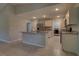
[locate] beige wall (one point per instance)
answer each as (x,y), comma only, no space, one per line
(16,29)
(6,13)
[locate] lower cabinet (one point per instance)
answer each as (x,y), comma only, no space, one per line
(69,42)
(36,39)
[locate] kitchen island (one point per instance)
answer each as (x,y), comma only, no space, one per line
(34,38)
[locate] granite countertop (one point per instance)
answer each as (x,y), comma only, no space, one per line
(73,32)
(33,32)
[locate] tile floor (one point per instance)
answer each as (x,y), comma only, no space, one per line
(52,48)
(20,49)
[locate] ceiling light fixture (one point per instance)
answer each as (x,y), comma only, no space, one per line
(58,16)
(44,16)
(56,9)
(34,17)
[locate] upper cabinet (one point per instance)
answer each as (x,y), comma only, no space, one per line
(74,15)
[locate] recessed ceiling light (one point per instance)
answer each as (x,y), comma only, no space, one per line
(56,9)
(34,17)
(44,16)
(58,16)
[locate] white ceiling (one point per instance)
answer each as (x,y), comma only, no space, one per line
(27,7)
(2,6)
(32,4)
(39,9)
(49,11)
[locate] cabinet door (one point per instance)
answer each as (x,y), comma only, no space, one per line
(37,39)
(74,15)
(69,42)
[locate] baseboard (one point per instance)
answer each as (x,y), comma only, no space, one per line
(8,41)
(5,41)
(33,44)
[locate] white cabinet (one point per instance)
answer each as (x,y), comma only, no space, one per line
(69,42)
